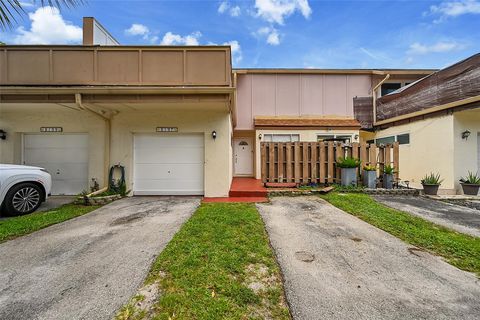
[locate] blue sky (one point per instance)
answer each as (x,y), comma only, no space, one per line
(279,33)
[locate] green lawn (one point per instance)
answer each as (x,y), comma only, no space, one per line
(18,226)
(218,266)
(460,250)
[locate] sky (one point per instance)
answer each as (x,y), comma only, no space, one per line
(277,33)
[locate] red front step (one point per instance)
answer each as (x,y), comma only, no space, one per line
(247,187)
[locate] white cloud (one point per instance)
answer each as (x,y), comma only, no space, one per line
(26,4)
(275,11)
(235,11)
(236,50)
(270,34)
(456,8)
(175,39)
(48,27)
(225,7)
(137,29)
(442,46)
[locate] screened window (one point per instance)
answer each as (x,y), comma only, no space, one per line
(324,137)
(385,140)
(403,138)
(339,137)
(390,87)
(281,137)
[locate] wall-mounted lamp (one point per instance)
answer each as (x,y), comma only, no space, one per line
(260,136)
(3,134)
(214,134)
(465,134)
(355,137)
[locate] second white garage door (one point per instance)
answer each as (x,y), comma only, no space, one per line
(168,164)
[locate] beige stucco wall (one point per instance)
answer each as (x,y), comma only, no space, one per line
(201,119)
(431,149)
(29,119)
(217,155)
(466,151)
(305,135)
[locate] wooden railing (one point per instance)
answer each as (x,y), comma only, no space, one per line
(315,162)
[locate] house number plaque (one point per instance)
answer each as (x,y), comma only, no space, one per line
(51,129)
(167,129)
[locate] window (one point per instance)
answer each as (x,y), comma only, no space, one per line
(390,87)
(335,137)
(281,137)
(385,140)
(403,138)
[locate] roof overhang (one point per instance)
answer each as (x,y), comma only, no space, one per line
(305,123)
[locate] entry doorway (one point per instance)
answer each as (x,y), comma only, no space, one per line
(243,157)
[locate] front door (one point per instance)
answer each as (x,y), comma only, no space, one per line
(243,156)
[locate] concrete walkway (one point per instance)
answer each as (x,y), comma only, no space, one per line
(338,267)
(88,267)
(458,218)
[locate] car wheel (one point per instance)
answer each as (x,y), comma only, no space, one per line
(23,198)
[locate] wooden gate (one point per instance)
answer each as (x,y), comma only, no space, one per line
(315,162)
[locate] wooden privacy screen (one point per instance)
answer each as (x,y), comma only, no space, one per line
(315,162)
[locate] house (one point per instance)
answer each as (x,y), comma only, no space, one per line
(436,120)
(178,118)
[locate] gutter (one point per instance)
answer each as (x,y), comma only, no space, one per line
(108,134)
(114,90)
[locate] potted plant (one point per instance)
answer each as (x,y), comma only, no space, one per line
(349,167)
(431,182)
(370,176)
(388,172)
(470,184)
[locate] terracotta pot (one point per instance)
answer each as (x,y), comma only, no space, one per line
(470,189)
(431,189)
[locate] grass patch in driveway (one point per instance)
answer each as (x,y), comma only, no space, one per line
(218,266)
(460,250)
(21,225)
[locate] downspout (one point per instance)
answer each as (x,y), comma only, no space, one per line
(374,94)
(108,134)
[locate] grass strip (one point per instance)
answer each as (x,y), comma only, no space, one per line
(21,225)
(460,250)
(218,266)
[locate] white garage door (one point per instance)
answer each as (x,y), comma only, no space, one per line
(168,164)
(65,156)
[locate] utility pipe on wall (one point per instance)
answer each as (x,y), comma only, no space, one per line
(108,134)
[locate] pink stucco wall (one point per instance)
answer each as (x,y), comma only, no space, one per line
(297,95)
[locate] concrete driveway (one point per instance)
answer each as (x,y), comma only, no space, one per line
(458,218)
(88,267)
(336,266)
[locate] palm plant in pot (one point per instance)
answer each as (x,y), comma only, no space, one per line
(388,172)
(349,167)
(431,182)
(470,184)
(370,176)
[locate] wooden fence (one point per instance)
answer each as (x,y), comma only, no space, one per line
(315,162)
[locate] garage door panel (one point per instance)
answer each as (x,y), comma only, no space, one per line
(173,155)
(167,171)
(169,164)
(65,156)
(168,187)
(64,141)
(69,155)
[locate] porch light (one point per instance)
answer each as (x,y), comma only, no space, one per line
(260,136)
(465,134)
(214,134)
(3,134)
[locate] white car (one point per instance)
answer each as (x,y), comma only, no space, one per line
(23,188)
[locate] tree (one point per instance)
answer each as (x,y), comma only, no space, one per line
(11,9)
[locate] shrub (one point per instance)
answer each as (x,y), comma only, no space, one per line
(348,162)
(471,178)
(388,169)
(432,178)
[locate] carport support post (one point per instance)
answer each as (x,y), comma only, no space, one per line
(108,135)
